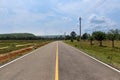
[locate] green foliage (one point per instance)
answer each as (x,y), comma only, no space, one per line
(73,36)
(17,36)
(85,36)
(99,35)
(113,34)
(78,38)
(91,38)
(67,37)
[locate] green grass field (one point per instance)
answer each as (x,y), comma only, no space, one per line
(105,53)
(11,45)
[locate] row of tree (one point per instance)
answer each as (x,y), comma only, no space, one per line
(29,36)
(112,35)
(18,36)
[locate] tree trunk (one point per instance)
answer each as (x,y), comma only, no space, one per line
(90,42)
(113,43)
(100,43)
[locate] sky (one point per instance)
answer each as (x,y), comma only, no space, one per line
(56,17)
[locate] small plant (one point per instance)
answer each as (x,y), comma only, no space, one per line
(110,57)
(12,46)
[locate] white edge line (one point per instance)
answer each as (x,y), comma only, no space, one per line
(96,59)
(17,59)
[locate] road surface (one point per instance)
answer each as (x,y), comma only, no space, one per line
(57,60)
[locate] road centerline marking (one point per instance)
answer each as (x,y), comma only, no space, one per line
(57,65)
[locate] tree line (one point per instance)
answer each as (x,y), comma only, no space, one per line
(113,34)
(18,36)
(29,36)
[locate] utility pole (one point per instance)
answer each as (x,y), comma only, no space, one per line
(80,26)
(64,35)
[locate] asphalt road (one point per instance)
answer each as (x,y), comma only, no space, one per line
(72,65)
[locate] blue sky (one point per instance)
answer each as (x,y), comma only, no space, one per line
(53,17)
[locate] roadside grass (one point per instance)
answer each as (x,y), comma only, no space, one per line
(12,45)
(105,53)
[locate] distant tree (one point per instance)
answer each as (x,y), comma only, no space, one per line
(91,38)
(99,36)
(113,35)
(17,36)
(78,38)
(60,37)
(119,36)
(67,37)
(85,36)
(73,36)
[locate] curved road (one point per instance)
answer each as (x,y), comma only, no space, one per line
(71,65)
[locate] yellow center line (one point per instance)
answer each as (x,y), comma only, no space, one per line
(56,67)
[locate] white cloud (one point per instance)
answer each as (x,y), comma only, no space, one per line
(100,23)
(75,8)
(108,7)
